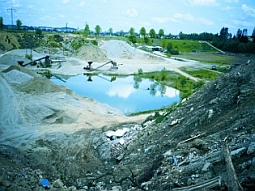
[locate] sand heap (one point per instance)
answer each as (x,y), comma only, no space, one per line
(118,49)
(90,52)
(12,57)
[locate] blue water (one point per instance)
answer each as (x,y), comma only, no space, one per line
(123,93)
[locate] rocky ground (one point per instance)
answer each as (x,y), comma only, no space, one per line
(48,133)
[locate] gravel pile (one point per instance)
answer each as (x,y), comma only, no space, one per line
(17,77)
(90,52)
(12,57)
(117,49)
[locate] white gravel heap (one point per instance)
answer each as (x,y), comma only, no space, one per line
(17,77)
(118,48)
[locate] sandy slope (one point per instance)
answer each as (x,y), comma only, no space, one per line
(38,106)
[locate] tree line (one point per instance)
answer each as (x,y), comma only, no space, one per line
(18,24)
(237,43)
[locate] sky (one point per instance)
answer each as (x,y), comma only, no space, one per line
(173,16)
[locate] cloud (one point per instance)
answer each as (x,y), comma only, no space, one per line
(205,21)
(123,91)
(185,17)
(82,4)
(203,2)
(15,3)
(248,10)
(227,8)
(170,92)
(243,23)
(190,18)
(65,1)
(132,13)
(160,20)
(232,1)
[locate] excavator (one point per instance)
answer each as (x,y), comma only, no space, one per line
(46,64)
(90,68)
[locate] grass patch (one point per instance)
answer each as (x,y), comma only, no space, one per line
(171,79)
(216,58)
(205,74)
(186,45)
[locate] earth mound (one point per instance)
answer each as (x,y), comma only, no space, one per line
(90,52)
(118,49)
(12,57)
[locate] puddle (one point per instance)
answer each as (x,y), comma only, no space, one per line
(127,94)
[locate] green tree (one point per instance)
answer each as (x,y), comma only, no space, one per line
(110,31)
(131,31)
(143,32)
(182,35)
(224,33)
(121,33)
(170,36)
(1,23)
(147,40)
(98,29)
(253,33)
(161,33)
(39,34)
(169,47)
(132,36)
(18,23)
(152,33)
(86,30)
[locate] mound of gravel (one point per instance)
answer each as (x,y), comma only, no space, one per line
(23,52)
(118,48)
(8,59)
(12,57)
(90,52)
(17,77)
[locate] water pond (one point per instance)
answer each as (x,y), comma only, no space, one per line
(127,94)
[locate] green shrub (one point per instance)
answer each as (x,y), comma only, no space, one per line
(29,56)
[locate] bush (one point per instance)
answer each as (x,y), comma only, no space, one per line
(29,56)
(132,39)
(140,71)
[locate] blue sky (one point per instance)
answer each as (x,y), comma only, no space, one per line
(173,16)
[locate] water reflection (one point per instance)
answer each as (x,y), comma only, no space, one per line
(128,94)
(123,91)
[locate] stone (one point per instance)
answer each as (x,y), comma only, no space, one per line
(122,141)
(253,161)
(174,122)
(58,184)
(118,133)
(210,113)
(121,132)
(251,148)
(206,166)
(214,101)
(238,151)
(72,188)
(119,158)
(168,153)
